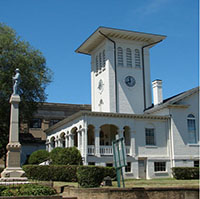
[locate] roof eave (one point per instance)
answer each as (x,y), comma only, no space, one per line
(95,36)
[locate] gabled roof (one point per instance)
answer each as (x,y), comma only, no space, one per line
(173,101)
(96,38)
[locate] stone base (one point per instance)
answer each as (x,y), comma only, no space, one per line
(13,174)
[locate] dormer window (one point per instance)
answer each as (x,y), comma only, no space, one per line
(128,57)
(137,58)
(120,56)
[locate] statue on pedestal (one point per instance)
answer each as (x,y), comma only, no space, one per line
(13,171)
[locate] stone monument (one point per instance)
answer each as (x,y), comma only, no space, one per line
(13,171)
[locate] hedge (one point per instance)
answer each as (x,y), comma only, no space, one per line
(65,173)
(183,173)
(69,173)
(92,176)
(26,190)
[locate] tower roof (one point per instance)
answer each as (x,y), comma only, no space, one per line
(96,38)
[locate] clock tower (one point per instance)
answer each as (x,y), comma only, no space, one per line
(120,69)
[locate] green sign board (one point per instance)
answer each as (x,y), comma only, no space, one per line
(119,155)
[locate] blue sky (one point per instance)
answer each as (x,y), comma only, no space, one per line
(58,27)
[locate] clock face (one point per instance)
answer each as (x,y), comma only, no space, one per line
(100,85)
(130,81)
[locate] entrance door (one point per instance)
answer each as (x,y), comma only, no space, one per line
(142,168)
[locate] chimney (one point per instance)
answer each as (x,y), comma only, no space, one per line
(157,92)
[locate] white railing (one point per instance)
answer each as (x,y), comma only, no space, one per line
(105,150)
(91,149)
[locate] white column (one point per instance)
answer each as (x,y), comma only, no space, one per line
(59,142)
(79,140)
(83,143)
(56,143)
(49,147)
(66,141)
(71,141)
(97,142)
(120,132)
(86,142)
(132,145)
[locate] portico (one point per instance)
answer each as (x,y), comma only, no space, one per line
(93,132)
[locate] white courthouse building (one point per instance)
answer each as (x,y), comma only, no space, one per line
(158,136)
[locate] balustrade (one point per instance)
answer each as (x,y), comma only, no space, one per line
(105,150)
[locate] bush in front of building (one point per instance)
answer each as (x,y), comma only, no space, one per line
(66,156)
(66,173)
(110,171)
(92,176)
(26,190)
(54,155)
(183,173)
(38,157)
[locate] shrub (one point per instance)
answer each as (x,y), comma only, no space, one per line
(183,173)
(66,156)
(26,190)
(68,173)
(38,157)
(90,176)
(55,155)
(110,171)
(65,173)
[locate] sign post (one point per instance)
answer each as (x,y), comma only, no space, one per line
(119,154)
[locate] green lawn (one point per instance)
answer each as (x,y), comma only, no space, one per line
(161,182)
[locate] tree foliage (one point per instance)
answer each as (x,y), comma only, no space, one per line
(38,156)
(35,76)
(66,156)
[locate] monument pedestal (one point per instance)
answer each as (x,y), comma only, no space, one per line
(13,172)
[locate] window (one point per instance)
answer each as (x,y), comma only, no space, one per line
(150,136)
(128,167)
(36,123)
(128,57)
(97,64)
(120,56)
(159,166)
(109,164)
(91,163)
(104,59)
(191,129)
(196,163)
(137,58)
(53,121)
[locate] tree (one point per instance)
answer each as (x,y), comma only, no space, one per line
(66,156)
(38,156)
(35,76)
